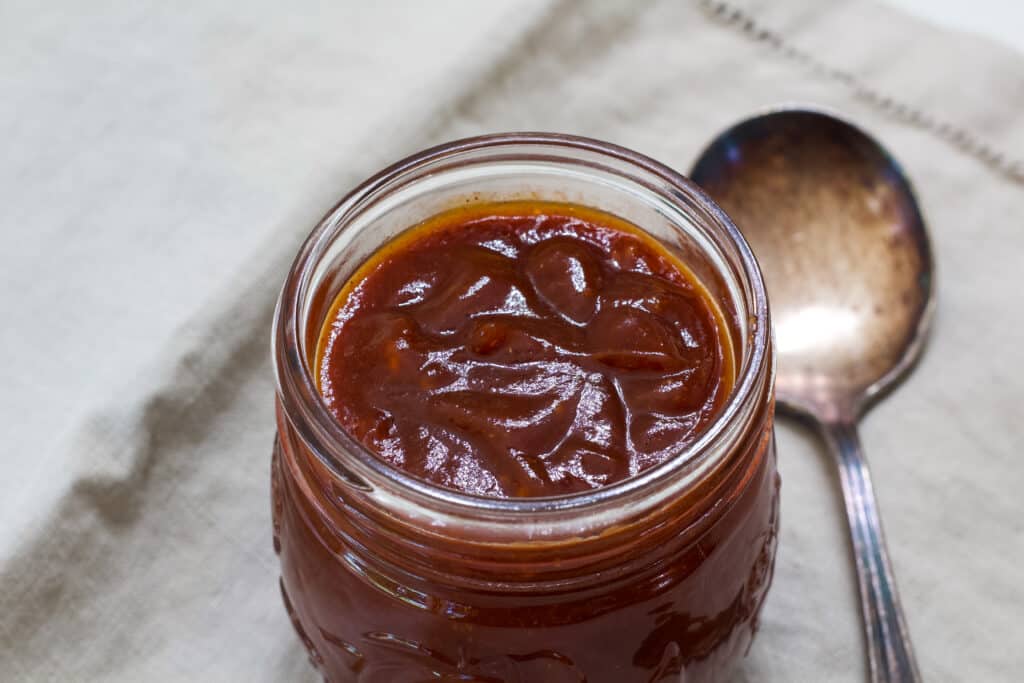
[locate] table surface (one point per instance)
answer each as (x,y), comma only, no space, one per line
(1000,20)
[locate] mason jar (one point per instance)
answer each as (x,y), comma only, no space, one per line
(660,577)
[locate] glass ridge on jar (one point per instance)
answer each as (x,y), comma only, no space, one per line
(661,577)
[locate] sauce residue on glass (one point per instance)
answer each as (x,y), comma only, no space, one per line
(523,349)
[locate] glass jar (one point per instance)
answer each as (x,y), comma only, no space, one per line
(389,579)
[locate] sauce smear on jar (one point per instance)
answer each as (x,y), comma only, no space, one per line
(524,349)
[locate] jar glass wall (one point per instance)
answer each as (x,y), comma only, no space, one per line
(390,579)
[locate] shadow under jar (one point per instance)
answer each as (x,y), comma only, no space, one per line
(660,577)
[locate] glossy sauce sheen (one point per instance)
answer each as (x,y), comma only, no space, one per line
(524,349)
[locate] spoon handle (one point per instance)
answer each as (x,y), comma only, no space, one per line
(890,654)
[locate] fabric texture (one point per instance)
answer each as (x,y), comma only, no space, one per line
(163,162)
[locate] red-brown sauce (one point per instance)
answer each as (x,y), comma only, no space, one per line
(524,349)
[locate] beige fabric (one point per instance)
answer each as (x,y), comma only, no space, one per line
(162,163)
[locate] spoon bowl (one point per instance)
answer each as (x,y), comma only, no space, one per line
(842,244)
(848,266)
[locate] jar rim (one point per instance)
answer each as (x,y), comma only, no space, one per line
(324,434)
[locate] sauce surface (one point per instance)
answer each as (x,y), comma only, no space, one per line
(524,349)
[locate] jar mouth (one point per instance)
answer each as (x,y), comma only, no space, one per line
(357,466)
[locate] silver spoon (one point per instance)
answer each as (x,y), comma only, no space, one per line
(836,228)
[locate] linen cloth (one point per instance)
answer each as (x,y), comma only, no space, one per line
(162,162)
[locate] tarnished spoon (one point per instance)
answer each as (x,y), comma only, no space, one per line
(841,242)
